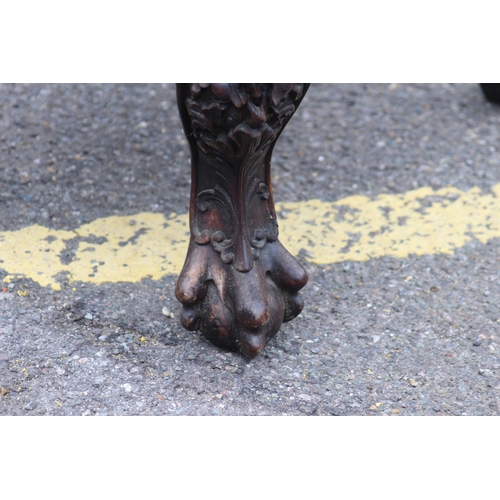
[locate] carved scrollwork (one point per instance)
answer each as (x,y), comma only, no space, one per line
(234,127)
(227,232)
(235,121)
(238,283)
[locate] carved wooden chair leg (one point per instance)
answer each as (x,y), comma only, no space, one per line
(238,283)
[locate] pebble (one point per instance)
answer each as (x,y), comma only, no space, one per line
(127,387)
(165,311)
(477,342)
(89,316)
(98,381)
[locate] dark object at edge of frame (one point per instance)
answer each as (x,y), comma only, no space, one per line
(491,91)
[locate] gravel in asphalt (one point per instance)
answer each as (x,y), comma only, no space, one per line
(418,335)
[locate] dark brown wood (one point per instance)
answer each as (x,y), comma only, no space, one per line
(238,283)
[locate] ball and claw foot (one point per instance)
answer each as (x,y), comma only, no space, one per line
(240,311)
(238,284)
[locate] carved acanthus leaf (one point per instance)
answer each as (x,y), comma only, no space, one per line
(234,127)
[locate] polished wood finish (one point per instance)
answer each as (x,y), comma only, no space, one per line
(238,283)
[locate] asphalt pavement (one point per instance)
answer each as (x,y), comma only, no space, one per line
(386,193)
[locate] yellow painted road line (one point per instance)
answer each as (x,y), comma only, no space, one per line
(130,248)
